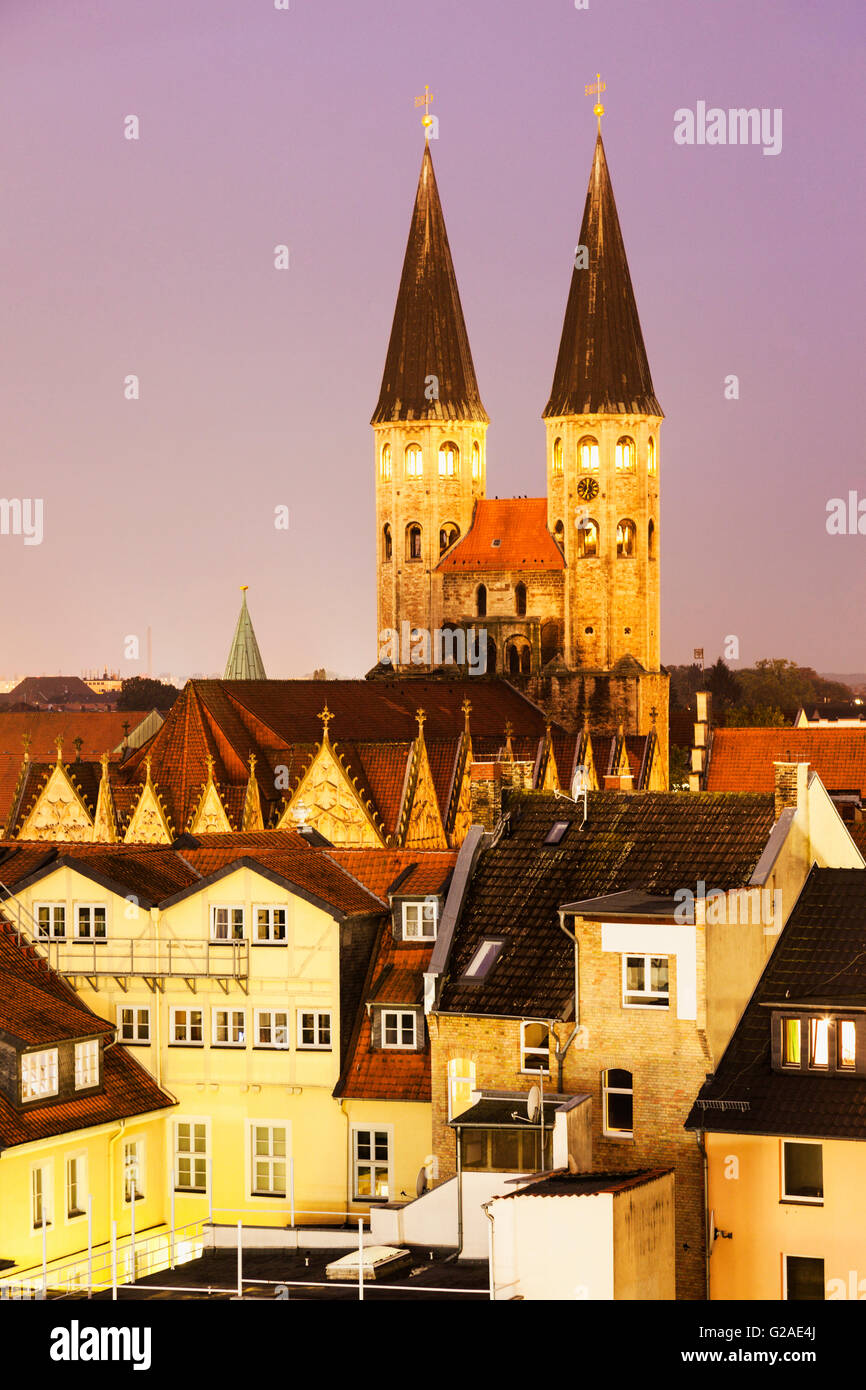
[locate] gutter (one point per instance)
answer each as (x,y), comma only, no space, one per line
(459,887)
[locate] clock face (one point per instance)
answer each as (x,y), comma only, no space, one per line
(587,489)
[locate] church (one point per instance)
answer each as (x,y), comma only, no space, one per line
(564,588)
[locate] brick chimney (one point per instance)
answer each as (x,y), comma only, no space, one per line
(703,723)
(791,781)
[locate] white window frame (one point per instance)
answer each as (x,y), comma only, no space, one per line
(606,1091)
(426,914)
(372,1163)
(400,1015)
(45,1167)
(89,937)
(534,1051)
(173,1040)
(215,1012)
(46,1064)
(478,967)
(79,1157)
(795,1197)
(140,1149)
(231,908)
(270,1158)
(318,1016)
(270,939)
(86,1058)
(647,957)
(53,908)
(416,453)
(177,1154)
(137,1040)
(587,442)
(790,1255)
(459,1078)
(847,1068)
(271,1015)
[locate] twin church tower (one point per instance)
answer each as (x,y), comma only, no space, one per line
(564,589)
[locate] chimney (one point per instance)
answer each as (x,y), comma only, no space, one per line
(618,782)
(701,739)
(791,781)
(485,792)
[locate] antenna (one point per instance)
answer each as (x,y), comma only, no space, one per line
(421,1181)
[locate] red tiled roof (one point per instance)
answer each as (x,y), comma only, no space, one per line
(519,524)
(377,869)
(34,1015)
(380,1073)
(400,985)
(742,759)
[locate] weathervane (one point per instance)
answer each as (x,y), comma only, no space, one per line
(595,89)
(426,120)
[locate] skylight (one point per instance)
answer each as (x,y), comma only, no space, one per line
(483,961)
(556,832)
(496,542)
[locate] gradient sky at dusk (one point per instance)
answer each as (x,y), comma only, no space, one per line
(260,126)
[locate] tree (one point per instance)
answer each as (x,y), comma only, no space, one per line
(725,689)
(140,692)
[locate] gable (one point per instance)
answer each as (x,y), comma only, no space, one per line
(59,812)
(334,806)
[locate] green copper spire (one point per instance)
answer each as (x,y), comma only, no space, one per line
(245,660)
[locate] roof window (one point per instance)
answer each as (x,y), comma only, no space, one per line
(483,960)
(556,833)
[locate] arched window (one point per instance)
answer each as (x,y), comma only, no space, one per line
(449,460)
(557,456)
(490,668)
(625,455)
(625,540)
(587,540)
(476,460)
(520,599)
(518,658)
(449,532)
(550,641)
(651,456)
(481,601)
(386,542)
(414,461)
(651,540)
(385,463)
(617,1090)
(587,452)
(413,542)
(559,535)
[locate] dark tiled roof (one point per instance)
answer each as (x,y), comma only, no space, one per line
(742,759)
(656,841)
(562,1183)
(820,958)
(519,525)
(602,365)
(428,334)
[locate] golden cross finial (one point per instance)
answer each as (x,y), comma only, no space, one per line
(104,761)
(59,745)
(467,710)
(421,715)
(509,730)
(326,716)
(426,119)
(593,89)
(252,762)
(210,767)
(147,768)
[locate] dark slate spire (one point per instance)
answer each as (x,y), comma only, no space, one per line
(602,366)
(428,336)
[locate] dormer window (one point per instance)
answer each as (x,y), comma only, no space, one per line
(419,921)
(846,1046)
(90,922)
(39,1071)
(86,1064)
(790,1042)
(819,1042)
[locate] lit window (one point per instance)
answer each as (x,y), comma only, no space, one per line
(483,960)
(268,1160)
(76,1185)
(414,461)
(651,456)
(476,460)
(557,456)
(398,1028)
(534,1047)
(625,455)
(819,1038)
(556,833)
(86,1064)
(190,1156)
(385,463)
(846,1044)
(133,1024)
(587,453)
(625,539)
(645,982)
(51,920)
(186,1027)
(270,924)
(90,921)
(804,1279)
(587,539)
(227,923)
(618,1103)
(449,460)
(419,920)
(372,1161)
(39,1074)
(229,1028)
(802,1172)
(314,1029)
(41,1178)
(133,1170)
(461,1084)
(272,1028)
(790,1042)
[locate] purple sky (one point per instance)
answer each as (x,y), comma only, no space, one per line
(260,127)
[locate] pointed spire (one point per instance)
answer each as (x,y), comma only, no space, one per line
(245,660)
(602,366)
(428,335)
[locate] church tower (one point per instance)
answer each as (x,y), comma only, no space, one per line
(602,423)
(429,426)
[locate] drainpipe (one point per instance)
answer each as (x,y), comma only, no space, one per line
(485,1207)
(458,1252)
(699,1140)
(348,1156)
(112,1141)
(561,1051)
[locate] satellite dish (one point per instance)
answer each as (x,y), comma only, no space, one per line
(572,1164)
(421,1181)
(580,780)
(533,1104)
